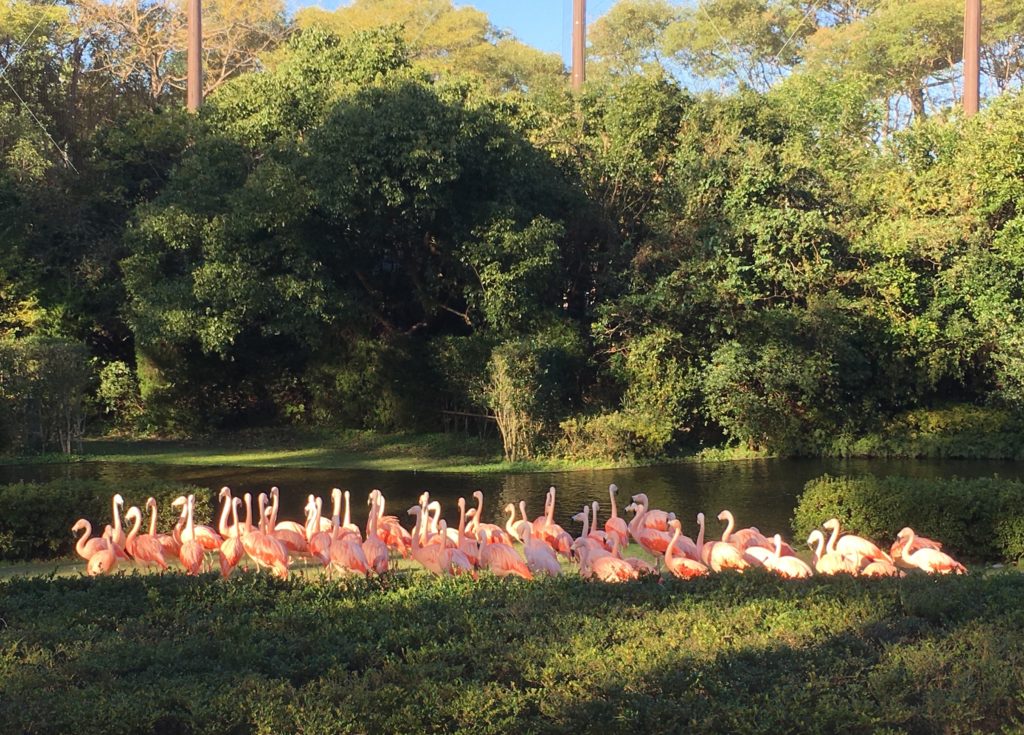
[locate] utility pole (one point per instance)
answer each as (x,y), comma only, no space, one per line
(579,39)
(972,52)
(195,55)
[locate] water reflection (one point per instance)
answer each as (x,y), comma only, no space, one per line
(759,492)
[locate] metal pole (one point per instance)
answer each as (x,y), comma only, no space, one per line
(972,52)
(579,37)
(195,55)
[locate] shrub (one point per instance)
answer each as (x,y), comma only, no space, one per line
(979,518)
(119,393)
(618,435)
(36,518)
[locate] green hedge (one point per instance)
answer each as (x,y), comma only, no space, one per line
(980,519)
(730,654)
(36,518)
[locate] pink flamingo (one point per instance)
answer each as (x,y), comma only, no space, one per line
(656,519)
(502,560)
(830,562)
(167,541)
(920,542)
(428,556)
(650,538)
(587,537)
(540,559)
(319,541)
(601,565)
(374,548)
(494,534)
(929,560)
(292,526)
(850,544)
(145,549)
(452,558)
(466,545)
(550,532)
(209,539)
(787,566)
(717,554)
(232,550)
(103,561)
(118,536)
(289,533)
(682,566)
(742,538)
(616,526)
(259,546)
(515,528)
(86,547)
(191,554)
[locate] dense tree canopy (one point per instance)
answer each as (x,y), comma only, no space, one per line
(393,209)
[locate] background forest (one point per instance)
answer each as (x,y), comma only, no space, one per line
(763,222)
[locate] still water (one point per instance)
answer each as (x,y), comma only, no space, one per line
(761,493)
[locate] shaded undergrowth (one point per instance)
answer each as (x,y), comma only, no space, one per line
(166,654)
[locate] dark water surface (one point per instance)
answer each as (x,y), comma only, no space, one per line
(761,493)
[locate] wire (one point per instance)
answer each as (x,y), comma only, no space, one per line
(3,72)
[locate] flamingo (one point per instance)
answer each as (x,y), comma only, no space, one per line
(374,548)
(682,566)
(396,537)
(466,545)
(831,562)
(493,534)
(261,547)
(231,550)
(86,547)
(292,526)
(540,559)
(191,553)
(515,528)
(209,539)
(616,526)
(587,537)
(429,557)
(787,566)
(920,542)
(718,555)
(650,538)
(145,548)
(103,561)
(167,541)
(850,544)
(319,541)
(117,536)
(601,565)
(742,538)
(550,532)
(452,558)
(640,565)
(929,560)
(502,560)
(656,519)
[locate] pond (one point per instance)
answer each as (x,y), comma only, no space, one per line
(761,493)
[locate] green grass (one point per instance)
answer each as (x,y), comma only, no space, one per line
(726,654)
(348,449)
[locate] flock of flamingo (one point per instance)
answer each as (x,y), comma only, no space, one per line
(342,547)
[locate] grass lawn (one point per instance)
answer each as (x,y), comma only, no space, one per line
(150,653)
(347,449)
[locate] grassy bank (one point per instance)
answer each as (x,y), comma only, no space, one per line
(345,449)
(733,654)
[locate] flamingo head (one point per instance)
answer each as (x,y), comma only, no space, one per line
(906,530)
(725,516)
(336,495)
(613,488)
(133,513)
(274,492)
(700,519)
(462,505)
(676,524)
(225,492)
(150,503)
(373,496)
(815,538)
(79,525)
(118,499)
(578,517)
(510,507)
(424,498)
(630,508)
(414,510)
(181,500)
(478,496)
(641,499)
(832,524)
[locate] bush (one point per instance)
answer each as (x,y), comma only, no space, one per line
(36,518)
(960,431)
(978,519)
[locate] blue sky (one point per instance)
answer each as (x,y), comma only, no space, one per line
(545,24)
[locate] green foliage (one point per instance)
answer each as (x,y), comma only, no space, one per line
(118,393)
(978,518)
(36,518)
(259,655)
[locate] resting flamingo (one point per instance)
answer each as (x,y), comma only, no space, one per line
(787,566)
(929,560)
(650,538)
(601,565)
(920,542)
(515,528)
(681,566)
(830,562)
(588,537)
(850,544)
(718,555)
(616,525)
(144,549)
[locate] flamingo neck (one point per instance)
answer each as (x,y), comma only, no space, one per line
(700,536)
(273,508)
(670,553)
(152,521)
(80,546)
(730,524)
(235,531)
(511,510)
(348,510)
(117,518)
(248,513)
(611,496)
(479,513)
(908,544)
(831,547)
(222,526)
(778,546)
(550,508)
(135,528)
(586,521)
